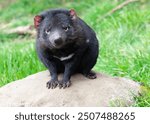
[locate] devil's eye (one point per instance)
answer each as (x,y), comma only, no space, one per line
(66,28)
(47,31)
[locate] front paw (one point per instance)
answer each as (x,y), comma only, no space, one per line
(52,84)
(64,84)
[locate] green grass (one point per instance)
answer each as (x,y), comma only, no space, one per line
(124,39)
(18,59)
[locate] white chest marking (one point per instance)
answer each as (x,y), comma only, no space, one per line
(65,58)
(87,40)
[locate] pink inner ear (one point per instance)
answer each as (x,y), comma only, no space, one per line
(72,13)
(37,20)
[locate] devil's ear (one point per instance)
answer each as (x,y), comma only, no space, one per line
(37,21)
(73,14)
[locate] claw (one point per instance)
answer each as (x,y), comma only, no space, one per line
(51,84)
(91,75)
(60,85)
(64,84)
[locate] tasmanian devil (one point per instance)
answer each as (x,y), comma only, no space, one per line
(65,44)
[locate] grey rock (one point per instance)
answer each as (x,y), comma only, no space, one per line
(103,91)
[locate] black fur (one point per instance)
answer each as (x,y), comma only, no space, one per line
(76,38)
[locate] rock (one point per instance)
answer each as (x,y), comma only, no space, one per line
(103,91)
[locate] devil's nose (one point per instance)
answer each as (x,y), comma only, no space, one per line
(58,41)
